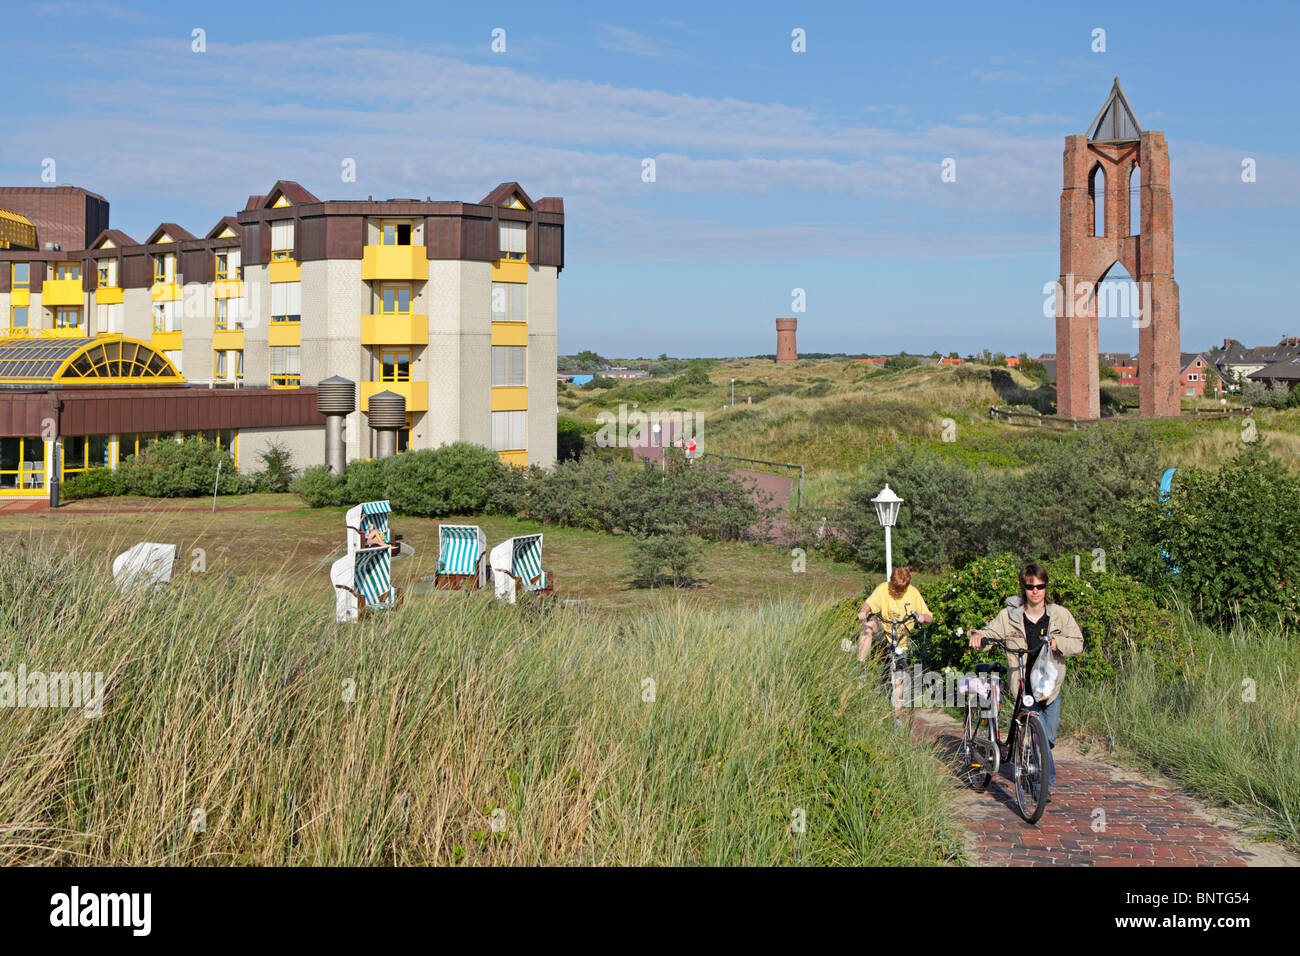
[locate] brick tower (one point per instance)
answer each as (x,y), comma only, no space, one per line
(785,348)
(1111,152)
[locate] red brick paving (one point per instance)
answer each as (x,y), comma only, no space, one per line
(1146,823)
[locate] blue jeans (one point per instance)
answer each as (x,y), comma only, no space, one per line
(1051,716)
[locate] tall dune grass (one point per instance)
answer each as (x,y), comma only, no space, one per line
(1228,728)
(245,726)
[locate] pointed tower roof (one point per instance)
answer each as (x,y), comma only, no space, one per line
(1116,123)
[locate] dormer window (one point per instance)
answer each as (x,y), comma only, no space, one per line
(514,240)
(107,273)
(282,239)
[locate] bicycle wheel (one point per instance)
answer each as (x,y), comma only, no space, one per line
(973,763)
(1031,768)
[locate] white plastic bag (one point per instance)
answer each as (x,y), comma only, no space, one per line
(1042,678)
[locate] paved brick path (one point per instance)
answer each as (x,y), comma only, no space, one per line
(1147,821)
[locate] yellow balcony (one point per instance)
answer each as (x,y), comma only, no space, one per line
(225,340)
(166,341)
(166,291)
(108,295)
(510,270)
(20,297)
(395,263)
(509,333)
(416,393)
(395,330)
(517,458)
(284,270)
(76,332)
(284,333)
(61,292)
(509,399)
(227,289)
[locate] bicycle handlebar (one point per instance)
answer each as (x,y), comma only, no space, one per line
(998,642)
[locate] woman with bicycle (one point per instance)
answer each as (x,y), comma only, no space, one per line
(892,601)
(1029,622)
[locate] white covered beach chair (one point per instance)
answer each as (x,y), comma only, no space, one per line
(373,516)
(462,557)
(517,567)
(363,581)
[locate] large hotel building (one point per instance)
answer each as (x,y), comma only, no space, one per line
(222,336)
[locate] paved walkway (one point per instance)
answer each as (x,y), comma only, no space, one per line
(1100,815)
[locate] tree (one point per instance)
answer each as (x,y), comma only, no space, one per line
(587,361)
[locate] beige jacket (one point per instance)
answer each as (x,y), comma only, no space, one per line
(1009,626)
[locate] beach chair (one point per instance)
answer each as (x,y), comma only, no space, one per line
(369,516)
(462,557)
(517,568)
(363,582)
(144,566)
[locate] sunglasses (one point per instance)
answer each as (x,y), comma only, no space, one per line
(1035,587)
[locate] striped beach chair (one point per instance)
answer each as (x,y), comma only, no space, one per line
(462,557)
(370,516)
(517,568)
(369,586)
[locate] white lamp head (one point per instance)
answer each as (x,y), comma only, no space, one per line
(887,506)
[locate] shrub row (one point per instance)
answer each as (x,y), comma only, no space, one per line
(170,469)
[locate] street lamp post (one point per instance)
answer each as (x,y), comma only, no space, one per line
(887,511)
(733,392)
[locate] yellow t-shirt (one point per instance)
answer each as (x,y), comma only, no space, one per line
(894,608)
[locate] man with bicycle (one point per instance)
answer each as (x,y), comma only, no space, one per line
(891,602)
(1029,622)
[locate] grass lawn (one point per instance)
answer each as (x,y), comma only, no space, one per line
(293,549)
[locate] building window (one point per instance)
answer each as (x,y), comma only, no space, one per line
(282,239)
(82,452)
(66,317)
(395,300)
(285,370)
(22,464)
(395,365)
(228,264)
(164,316)
(67,270)
(508,301)
(22,274)
(1193,377)
(110,318)
(509,431)
(174,356)
(514,240)
(286,301)
(18,317)
(508,365)
(396,233)
(107,273)
(222,313)
(404,436)
(164,267)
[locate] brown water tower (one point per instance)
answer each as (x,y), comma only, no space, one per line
(785,348)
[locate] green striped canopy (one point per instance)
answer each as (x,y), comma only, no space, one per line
(373,575)
(528,558)
(374,514)
(459,548)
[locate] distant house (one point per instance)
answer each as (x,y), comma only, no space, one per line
(952,361)
(880,360)
(621,372)
(1283,374)
(1013,361)
(1235,359)
(575,378)
(1196,372)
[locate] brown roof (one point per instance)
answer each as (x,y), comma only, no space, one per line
(499,195)
(1287,369)
(290,190)
(220,227)
(117,235)
(177,232)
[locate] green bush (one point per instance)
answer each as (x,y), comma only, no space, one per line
(277,472)
(451,480)
(365,481)
(658,560)
(171,469)
(94,483)
(318,487)
(1232,536)
(1119,617)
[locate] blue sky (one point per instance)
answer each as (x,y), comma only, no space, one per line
(775,170)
